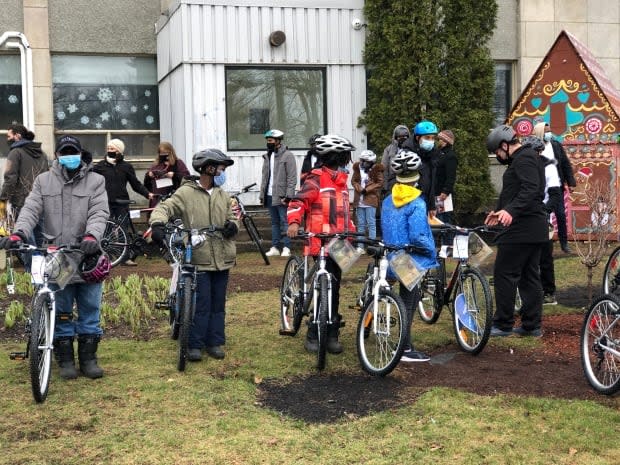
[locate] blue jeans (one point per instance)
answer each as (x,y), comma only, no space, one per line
(279,225)
(209,319)
(88,299)
(367,220)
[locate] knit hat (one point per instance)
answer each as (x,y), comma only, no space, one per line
(447,136)
(408,177)
(118,145)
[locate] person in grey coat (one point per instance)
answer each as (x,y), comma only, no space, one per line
(278,182)
(70,203)
(400,135)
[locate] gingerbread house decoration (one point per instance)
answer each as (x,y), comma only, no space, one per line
(571,92)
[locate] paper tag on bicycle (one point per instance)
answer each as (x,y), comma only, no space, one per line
(174,279)
(133,214)
(343,253)
(445,251)
(163,182)
(406,269)
(36,269)
(479,251)
(459,246)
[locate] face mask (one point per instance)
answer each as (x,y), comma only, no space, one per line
(271,147)
(548,136)
(220,179)
(163,159)
(502,161)
(70,162)
(427,145)
(111,160)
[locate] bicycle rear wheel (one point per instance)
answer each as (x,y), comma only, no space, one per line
(291,297)
(250,227)
(431,303)
(40,348)
(323,303)
(611,276)
(472,311)
(114,242)
(379,350)
(186,318)
(600,344)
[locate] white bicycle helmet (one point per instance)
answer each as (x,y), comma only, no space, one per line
(275,133)
(405,161)
(368,155)
(331,143)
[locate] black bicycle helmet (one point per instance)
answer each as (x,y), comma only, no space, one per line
(95,268)
(313,139)
(210,157)
(405,161)
(499,135)
(331,143)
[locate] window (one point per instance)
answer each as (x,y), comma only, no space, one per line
(259,99)
(99,98)
(10,91)
(503,92)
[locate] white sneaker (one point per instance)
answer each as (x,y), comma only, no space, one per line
(273,252)
(286,252)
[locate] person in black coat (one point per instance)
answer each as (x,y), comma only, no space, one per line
(447,163)
(311,160)
(522,221)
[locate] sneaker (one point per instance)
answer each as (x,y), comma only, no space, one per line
(497,332)
(273,252)
(411,355)
(215,352)
(311,345)
(549,299)
(286,252)
(194,355)
(524,332)
(129,263)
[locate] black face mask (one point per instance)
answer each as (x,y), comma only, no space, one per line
(163,159)
(271,147)
(501,161)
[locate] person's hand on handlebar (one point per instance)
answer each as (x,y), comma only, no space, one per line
(292,230)
(158,232)
(13,241)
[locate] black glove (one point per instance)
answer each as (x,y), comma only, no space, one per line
(158,232)
(13,241)
(89,245)
(230,229)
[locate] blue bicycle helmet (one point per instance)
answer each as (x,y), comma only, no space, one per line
(424,128)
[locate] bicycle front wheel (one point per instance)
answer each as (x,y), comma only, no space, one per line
(322,314)
(431,303)
(40,348)
(611,276)
(366,291)
(600,344)
(291,297)
(472,311)
(250,227)
(114,242)
(380,343)
(186,318)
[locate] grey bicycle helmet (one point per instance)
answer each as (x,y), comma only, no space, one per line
(210,157)
(405,161)
(275,133)
(331,143)
(499,135)
(368,155)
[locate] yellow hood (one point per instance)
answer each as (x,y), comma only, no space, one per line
(403,194)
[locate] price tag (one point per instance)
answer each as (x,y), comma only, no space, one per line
(36,269)
(133,214)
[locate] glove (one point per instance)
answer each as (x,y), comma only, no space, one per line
(89,245)
(230,229)
(13,241)
(158,232)
(363,191)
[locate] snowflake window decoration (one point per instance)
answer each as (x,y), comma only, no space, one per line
(133,108)
(13,99)
(117,108)
(146,107)
(98,125)
(124,122)
(147,93)
(104,95)
(125,93)
(61,115)
(72,108)
(84,120)
(82,97)
(150,119)
(105,116)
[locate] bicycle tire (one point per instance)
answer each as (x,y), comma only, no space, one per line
(366,291)
(600,331)
(252,231)
(40,348)
(611,275)
(322,323)
(432,298)
(379,352)
(114,243)
(173,302)
(478,311)
(186,318)
(291,297)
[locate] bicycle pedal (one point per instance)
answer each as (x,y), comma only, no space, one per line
(18,355)
(162,306)
(287,332)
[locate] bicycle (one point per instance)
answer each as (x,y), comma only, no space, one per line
(296,296)
(467,293)
(600,344)
(120,239)
(611,275)
(248,221)
(382,327)
(181,302)
(52,264)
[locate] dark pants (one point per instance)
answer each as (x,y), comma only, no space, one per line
(518,265)
(560,217)
(209,319)
(547,269)
(411,299)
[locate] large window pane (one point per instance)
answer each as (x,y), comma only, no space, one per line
(503,91)
(10,91)
(258,99)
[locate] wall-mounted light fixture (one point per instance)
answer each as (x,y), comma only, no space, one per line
(357,24)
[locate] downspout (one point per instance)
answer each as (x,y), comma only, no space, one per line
(25,53)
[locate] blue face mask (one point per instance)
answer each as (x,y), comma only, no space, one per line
(70,162)
(548,136)
(427,145)
(220,179)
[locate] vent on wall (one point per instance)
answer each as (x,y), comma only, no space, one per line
(277,38)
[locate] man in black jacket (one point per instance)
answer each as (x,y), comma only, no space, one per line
(447,163)
(520,215)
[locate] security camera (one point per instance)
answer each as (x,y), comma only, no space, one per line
(357,24)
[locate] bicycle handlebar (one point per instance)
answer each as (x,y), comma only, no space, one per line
(377,244)
(461,229)
(324,236)
(46,250)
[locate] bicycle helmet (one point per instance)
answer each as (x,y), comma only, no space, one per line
(210,157)
(368,155)
(275,133)
(332,143)
(424,128)
(313,139)
(405,161)
(95,268)
(499,135)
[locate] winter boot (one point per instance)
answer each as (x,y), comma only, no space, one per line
(312,339)
(333,345)
(63,351)
(87,354)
